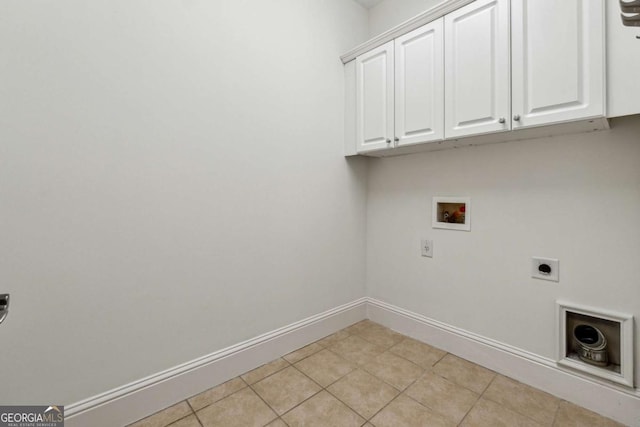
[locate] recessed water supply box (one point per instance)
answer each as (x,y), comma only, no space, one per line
(453,213)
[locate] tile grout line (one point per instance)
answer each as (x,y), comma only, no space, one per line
(404,338)
(250,386)
(301,402)
(322,388)
(410,384)
(399,394)
(267,376)
(333,382)
(309,355)
(470,409)
(264,401)
(178,420)
(194,412)
(294,407)
(489,385)
(162,410)
(384,406)
(480,395)
(314,381)
(428,407)
(478,399)
(515,410)
(343,402)
(555,415)
(222,398)
(386,350)
(329,385)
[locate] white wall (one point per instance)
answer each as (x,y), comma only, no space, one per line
(171,183)
(570,197)
(390,13)
(574,198)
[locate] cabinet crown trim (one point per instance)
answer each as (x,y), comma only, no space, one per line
(417,21)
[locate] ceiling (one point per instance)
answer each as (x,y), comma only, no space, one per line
(369,3)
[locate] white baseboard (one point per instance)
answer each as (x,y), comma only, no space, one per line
(139,399)
(134,401)
(613,401)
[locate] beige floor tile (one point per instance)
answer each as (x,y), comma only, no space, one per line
(214,394)
(443,396)
(356,349)
(190,421)
(325,367)
(356,328)
(303,352)
(323,410)
(419,353)
(361,378)
(523,399)
(241,409)
(166,416)
(363,392)
(464,373)
(333,338)
(379,335)
(489,414)
(286,389)
(405,412)
(570,415)
(393,370)
(264,371)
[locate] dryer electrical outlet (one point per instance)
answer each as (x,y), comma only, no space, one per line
(545,269)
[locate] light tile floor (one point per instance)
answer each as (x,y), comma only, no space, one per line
(368,375)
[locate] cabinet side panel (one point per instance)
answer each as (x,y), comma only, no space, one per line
(350,148)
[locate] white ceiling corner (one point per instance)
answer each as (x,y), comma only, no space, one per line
(368,3)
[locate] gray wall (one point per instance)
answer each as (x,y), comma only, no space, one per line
(171,183)
(390,13)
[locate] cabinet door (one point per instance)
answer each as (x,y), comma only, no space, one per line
(374,99)
(477,86)
(419,85)
(558,60)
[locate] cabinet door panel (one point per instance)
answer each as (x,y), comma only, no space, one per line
(558,60)
(374,98)
(477,84)
(419,85)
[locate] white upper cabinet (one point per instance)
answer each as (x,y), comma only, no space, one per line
(557,61)
(483,67)
(374,99)
(419,85)
(477,95)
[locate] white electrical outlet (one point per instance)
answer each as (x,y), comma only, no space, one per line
(545,269)
(427,248)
